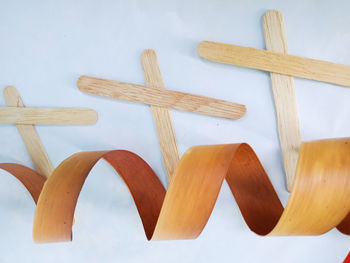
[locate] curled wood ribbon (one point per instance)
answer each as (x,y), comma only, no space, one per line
(319,200)
(31,180)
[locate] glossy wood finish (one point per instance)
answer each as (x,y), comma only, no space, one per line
(319,199)
(284,96)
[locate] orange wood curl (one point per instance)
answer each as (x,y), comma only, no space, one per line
(32,180)
(319,200)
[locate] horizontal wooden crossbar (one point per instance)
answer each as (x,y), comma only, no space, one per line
(69,116)
(161,97)
(276,62)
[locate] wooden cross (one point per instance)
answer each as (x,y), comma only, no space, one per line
(160,99)
(282,67)
(25,118)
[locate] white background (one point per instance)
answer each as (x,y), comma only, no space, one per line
(46,45)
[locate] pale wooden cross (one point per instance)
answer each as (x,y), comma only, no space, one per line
(25,118)
(160,99)
(282,67)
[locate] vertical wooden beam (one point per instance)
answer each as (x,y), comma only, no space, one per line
(284,96)
(29,136)
(166,135)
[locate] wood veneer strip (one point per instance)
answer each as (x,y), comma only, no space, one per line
(284,96)
(183,211)
(71,116)
(161,98)
(32,180)
(161,115)
(29,136)
(276,62)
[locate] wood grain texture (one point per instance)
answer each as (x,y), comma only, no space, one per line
(68,116)
(284,96)
(29,136)
(276,62)
(161,97)
(161,115)
(183,211)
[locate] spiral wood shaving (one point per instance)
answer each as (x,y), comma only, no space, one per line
(319,200)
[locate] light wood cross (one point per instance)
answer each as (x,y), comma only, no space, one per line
(25,118)
(160,99)
(282,67)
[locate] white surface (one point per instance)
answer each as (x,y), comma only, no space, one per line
(46,45)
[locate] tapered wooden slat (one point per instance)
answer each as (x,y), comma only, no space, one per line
(161,115)
(276,62)
(284,96)
(161,98)
(29,136)
(67,116)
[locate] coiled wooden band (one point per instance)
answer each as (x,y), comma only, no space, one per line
(319,199)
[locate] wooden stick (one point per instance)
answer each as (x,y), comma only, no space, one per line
(161,98)
(47,116)
(284,96)
(276,62)
(165,130)
(29,136)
